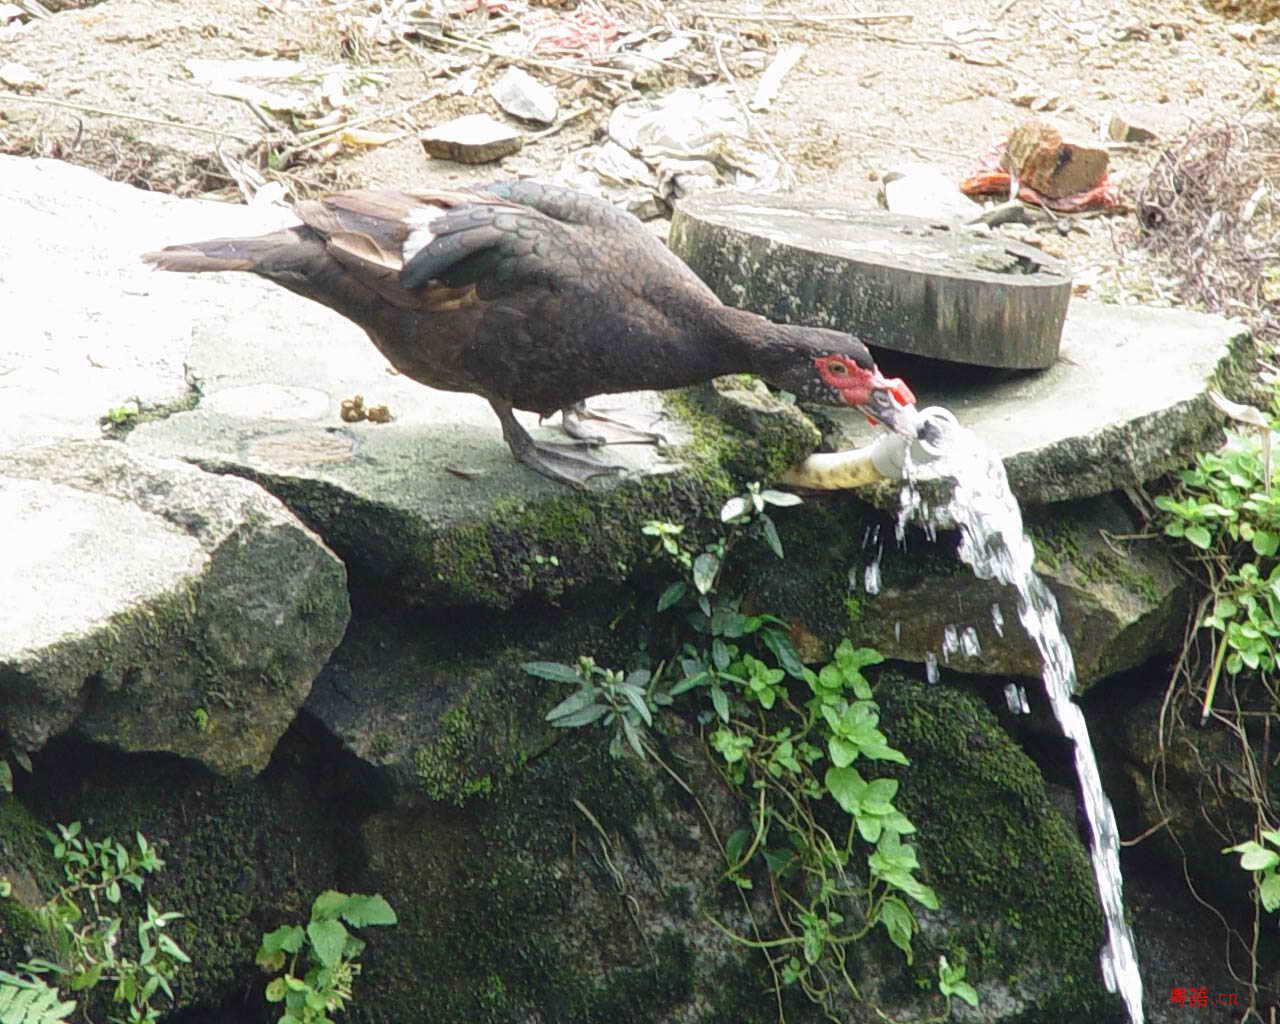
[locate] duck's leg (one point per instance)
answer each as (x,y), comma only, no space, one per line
(551,461)
(573,417)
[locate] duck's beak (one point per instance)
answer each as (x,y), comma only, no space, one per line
(892,404)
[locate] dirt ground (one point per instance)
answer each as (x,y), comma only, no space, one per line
(880,83)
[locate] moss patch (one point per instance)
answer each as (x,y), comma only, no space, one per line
(999,854)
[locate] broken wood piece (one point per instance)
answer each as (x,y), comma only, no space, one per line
(473,139)
(1036,154)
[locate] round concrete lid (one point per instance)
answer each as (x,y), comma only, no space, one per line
(898,282)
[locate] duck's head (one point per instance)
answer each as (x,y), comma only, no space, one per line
(832,368)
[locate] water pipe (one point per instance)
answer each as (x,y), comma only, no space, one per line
(883,459)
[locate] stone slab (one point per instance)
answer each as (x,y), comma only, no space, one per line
(84,332)
(155,607)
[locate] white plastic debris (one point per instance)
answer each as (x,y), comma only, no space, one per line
(771,81)
(19,76)
(694,139)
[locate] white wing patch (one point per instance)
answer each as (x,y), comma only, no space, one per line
(419,222)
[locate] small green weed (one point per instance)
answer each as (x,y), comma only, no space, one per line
(93,939)
(1263,859)
(320,961)
(1226,510)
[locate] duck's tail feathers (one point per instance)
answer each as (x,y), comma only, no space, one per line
(281,251)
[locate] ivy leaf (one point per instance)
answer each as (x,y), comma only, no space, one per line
(899,923)
(782,499)
(1269,892)
(328,939)
(771,535)
(362,911)
(575,702)
(846,785)
(285,939)
(784,650)
(720,700)
(1199,536)
(636,698)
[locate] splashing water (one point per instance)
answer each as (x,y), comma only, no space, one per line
(970,645)
(994,545)
(871,579)
(1015,698)
(997,619)
(950,642)
(931,666)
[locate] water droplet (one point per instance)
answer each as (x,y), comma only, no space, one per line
(950,642)
(871,578)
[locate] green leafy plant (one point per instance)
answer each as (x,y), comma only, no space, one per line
(320,962)
(1263,859)
(797,742)
(951,983)
(28,1000)
(90,930)
(607,696)
(1225,508)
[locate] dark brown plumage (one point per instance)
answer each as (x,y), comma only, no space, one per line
(537,298)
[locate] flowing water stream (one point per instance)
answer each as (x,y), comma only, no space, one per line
(994,544)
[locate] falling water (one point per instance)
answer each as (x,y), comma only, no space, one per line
(931,666)
(994,545)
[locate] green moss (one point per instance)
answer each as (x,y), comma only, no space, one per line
(528,927)
(486,735)
(995,848)
(26,862)
(1058,549)
(119,421)
(853,608)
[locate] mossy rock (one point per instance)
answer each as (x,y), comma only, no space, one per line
(1019,907)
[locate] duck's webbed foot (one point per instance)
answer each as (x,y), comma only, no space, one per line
(556,462)
(573,421)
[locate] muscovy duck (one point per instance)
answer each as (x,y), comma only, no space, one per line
(536,297)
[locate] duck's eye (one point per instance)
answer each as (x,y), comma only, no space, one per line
(837,368)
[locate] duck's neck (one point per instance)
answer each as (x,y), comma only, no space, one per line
(752,343)
(744,342)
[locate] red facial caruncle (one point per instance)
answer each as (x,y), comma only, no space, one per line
(855,383)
